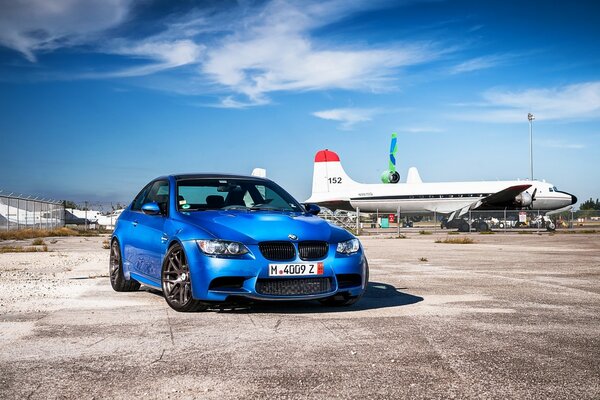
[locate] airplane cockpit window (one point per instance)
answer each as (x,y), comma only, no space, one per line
(555,189)
(551,189)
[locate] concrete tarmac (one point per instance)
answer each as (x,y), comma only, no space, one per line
(509,316)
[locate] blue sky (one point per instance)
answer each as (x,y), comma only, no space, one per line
(98,97)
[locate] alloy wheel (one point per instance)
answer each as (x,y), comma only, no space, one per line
(176,278)
(115,262)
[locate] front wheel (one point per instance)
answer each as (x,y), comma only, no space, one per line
(176,282)
(115,271)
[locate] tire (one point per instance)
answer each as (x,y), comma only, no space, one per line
(501,225)
(176,283)
(483,227)
(343,300)
(115,271)
(550,226)
(463,226)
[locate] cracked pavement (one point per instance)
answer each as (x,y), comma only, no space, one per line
(510,316)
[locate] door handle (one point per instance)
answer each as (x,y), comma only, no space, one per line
(134,223)
(164,238)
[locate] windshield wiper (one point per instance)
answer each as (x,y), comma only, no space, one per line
(234,207)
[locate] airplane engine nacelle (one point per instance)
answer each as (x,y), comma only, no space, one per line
(523,199)
(390,177)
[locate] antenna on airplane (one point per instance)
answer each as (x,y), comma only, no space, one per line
(391,175)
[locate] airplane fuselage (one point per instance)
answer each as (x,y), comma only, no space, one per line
(443,197)
(334,189)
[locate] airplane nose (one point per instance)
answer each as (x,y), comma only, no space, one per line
(573,199)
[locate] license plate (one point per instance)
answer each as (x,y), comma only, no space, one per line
(295,269)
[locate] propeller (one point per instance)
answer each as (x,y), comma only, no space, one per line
(391,175)
(533,198)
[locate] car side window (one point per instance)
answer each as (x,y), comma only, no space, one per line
(138,202)
(159,194)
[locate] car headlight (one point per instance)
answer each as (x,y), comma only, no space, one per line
(221,248)
(349,246)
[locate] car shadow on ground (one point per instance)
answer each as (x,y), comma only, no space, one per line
(378,295)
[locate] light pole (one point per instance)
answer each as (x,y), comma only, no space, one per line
(531,117)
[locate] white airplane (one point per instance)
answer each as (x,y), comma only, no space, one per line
(18,216)
(334,189)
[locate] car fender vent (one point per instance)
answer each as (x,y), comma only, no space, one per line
(348,280)
(277,251)
(227,283)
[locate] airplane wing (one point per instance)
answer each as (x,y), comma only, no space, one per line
(498,199)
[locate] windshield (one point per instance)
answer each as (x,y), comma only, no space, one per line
(227,194)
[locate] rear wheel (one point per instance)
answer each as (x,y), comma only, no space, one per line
(176,282)
(115,271)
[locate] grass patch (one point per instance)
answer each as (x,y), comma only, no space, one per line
(43,233)
(38,242)
(487,233)
(461,240)
(583,231)
(106,244)
(525,232)
(23,249)
(453,233)
(425,232)
(423,259)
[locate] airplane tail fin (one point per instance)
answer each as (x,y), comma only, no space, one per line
(413,176)
(329,175)
(260,172)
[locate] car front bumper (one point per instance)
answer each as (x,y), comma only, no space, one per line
(244,273)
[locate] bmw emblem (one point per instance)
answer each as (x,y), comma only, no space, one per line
(291,236)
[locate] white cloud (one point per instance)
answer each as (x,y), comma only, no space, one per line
(269,53)
(559,144)
(420,129)
(347,116)
(241,53)
(30,26)
(577,101)
(478,63)
(162,54)
(232,102)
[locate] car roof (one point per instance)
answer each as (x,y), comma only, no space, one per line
(211,176)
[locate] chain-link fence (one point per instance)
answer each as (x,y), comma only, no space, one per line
(20,212)
(473,221)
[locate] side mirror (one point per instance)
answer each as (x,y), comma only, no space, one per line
(312,208)
(151,209)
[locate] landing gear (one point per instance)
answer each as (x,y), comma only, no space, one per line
(463,226)
(480,226)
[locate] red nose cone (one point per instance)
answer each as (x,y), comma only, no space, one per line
(326,156)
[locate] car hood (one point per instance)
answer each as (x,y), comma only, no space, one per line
(251,227)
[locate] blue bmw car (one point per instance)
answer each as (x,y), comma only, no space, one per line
(208,239)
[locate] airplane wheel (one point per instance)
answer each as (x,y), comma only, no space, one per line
(483,227)
(463,226)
